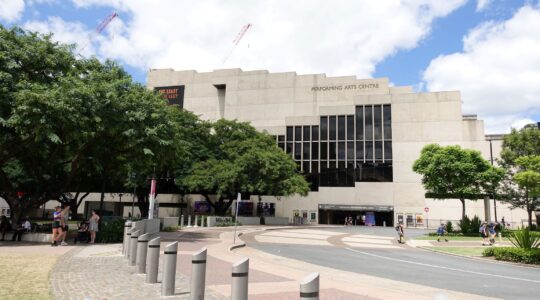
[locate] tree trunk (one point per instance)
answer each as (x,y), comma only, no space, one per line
(462,208)
(102,199)
(529,215)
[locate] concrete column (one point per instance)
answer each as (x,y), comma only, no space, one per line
(309,287)
(239,286)
(128,250)
(189,221)
(125,241)
(169,269)
(487,209)
(133,247)
(196,221)
(152,260)
(198,275)
(181,221)
(142,246)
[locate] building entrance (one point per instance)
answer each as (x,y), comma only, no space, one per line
(361,215)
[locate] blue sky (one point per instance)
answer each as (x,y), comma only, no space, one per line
(471,46)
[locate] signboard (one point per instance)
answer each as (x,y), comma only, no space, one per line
(356,207)
(245,208)
(173,94)
(426,209)
(201,207)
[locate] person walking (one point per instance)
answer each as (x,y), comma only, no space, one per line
(5,226)
(492,233)
(484,233)
(65,227)
(93,226)
(441,231)
(56,226)
(401,233)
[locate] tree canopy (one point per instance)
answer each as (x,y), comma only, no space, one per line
(453,172)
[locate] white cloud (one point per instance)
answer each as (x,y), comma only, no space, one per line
(66,32)
(11,10)
(338,38)
(482,4)
(498,71)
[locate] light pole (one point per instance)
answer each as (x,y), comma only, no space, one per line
(121,208)
(491,159)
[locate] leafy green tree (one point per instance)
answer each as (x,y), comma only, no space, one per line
(453,172)
(520,152)
(242,160)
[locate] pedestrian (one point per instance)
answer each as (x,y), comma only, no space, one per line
(441,231)
(93,226)
(65,227)
(492,233)
(401,233)
(484,234)
(56,226)
(5,226)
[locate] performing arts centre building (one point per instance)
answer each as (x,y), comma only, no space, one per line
(355,139)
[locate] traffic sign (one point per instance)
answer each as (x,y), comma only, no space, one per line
(426,209)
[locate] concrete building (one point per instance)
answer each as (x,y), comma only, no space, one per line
(355,138)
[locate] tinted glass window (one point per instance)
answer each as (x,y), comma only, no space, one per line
(369,122)
(360,151)
(350,128)
(281,138)
(332,150)
(306,151)
(332,128)
(378,151)
(314,150)
(289,133)
(377,121)
(369,151)
(305,167)
(387,120)
(359,122)
(315,133)
(297,133)
(341,150)
(297,150)
(314,167)
(341,127)
(307,130)
(324,128)
(350,151)
(388,150)
(289,148)
(324,150)
(281,146)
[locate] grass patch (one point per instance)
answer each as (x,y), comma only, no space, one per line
(25,276)
(465,251)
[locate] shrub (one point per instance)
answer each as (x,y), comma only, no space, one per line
(111,231)
(449,227)
(525,239)
(530,256)
(470,226)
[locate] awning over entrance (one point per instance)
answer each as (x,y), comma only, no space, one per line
(356,207)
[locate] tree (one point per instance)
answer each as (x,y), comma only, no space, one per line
(520,154)
(453,172)
(242,160)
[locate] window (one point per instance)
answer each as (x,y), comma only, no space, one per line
(387,120)
(359,122)
(324,128)
(341,128)
(341,150)
(350,128)
(369,151)
(306,151)
(314,133)
(369,122)
(298,150)
(324,150)
(350,151)
(360,151)
(378,151)
(297,133)
(306,133)
(281,138)
(314,150)
(332,128)
(332,150)
(377,122)
(289,148)
(290,133)
(387,150)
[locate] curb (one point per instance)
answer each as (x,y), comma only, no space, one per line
(240,245)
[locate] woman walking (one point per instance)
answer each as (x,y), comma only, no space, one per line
(93,226)
(56,226)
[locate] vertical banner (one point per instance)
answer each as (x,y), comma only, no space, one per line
(152,199)
(238,200)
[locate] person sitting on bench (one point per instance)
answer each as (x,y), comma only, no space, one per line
(23,227)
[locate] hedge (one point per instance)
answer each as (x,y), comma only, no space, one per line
(531,256)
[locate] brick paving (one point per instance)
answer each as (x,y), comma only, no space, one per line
(106,275)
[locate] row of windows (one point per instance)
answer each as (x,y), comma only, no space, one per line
(377,151)
(346,177)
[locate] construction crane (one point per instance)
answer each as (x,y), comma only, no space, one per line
(236,40)
(99,29)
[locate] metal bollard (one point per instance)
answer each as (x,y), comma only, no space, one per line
(169,269)
(128,252)
(152,260)
(198,275)
(181,221)
(127,227)
(309,287)
(133,247)
(142,243)
(189,221)
(196,221)
(239,287)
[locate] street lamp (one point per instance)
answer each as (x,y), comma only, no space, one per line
(490,138)
(121,208)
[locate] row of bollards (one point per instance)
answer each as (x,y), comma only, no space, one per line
(144,253)
(197,222)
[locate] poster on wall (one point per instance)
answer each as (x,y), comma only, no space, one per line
(419,219)
(173,94)
(245,208)
(202,207)
(370,218)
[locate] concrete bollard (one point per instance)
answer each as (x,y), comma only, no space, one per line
(189,221)
(133,247)
(239,286)
(196,221)
(169,269)
(309,287)
(181,221)
(384,223)
(128,252)
(142,244)
(127,227)
(198,275)
(152,260)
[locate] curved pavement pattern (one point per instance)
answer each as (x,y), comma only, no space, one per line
(372,255)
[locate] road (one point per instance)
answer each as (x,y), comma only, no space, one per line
(372,251)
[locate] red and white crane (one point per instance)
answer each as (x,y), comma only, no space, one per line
(237,40)
(99,29)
